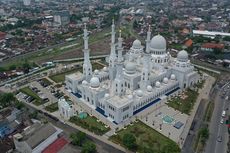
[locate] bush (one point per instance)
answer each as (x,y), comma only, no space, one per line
(129,140)
(78,138)
(89,147)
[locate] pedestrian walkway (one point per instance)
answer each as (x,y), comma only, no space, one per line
(204,94)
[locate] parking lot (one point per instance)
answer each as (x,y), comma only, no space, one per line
(42,91)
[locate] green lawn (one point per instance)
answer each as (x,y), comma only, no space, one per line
(29,92)
(58,78)
(184,105)
(52,107)
(147,139)
(97,66)
(91,124)
(46,81)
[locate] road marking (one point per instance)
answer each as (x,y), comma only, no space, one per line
(219,125)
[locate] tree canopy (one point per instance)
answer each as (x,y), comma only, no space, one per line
(89,147)
(6,99)
(78,138)
(129,140)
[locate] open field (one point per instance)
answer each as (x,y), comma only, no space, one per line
(90,123)
(52,107)
(147,139)
(60,77)
(184,105)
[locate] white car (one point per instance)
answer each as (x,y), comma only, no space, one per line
(222,121)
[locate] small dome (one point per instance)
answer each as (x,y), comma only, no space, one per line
(106,95)
(130,96)
(158,42)
(149,88)
(105,69)
(139,93)
(165,80)
(182,56)
(137,44)
(94,82)
(84,82)
(130,68)
(158,84)
(173,77)
(96,72)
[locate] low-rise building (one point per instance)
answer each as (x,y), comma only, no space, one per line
(212,46)
(10,119)
(36,138)
(65,108)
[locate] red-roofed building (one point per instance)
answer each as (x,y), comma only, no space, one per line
(56,146)
(2,35)
(211,46)
(188,43)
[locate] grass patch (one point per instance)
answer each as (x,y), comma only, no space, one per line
(91,124)
(60,77)
(52,107)
(147,139)
(46,81)
(209,111)
(97,66)
(26,90)
(184,105)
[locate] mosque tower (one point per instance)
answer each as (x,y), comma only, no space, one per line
(113,56)
(87,67)
(118,84)
(146,67)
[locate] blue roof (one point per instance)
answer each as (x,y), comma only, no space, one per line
(146,106)
(178,125)
(101,111)
(78,95)
(170,92)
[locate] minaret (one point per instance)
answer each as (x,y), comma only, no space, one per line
(119,88)
(113,56)
(148,40)
(146,61)
(145,72)
(87,67)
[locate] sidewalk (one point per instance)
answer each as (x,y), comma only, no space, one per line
(100,138)
(204,94)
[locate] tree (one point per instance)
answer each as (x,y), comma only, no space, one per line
(6,99)
(88,147)
(12,67)
(129,140)
(204,134)
(216,50)
(170,148)
(78,138)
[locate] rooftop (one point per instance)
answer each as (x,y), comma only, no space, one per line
(37,133)
(56,146)
(210,33)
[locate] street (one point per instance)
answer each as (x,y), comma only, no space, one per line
(215,127)
(101,146)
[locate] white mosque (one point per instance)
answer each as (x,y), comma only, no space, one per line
(134,81)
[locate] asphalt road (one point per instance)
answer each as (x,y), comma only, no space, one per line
(197,122)
(101,146)
(215,127)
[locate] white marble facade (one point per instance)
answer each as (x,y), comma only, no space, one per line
(65,108)
(134,81)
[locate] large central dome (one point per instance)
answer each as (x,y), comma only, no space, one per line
(158,43)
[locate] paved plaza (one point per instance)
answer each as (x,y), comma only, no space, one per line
(163,120)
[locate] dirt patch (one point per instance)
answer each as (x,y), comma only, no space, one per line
(97,48)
